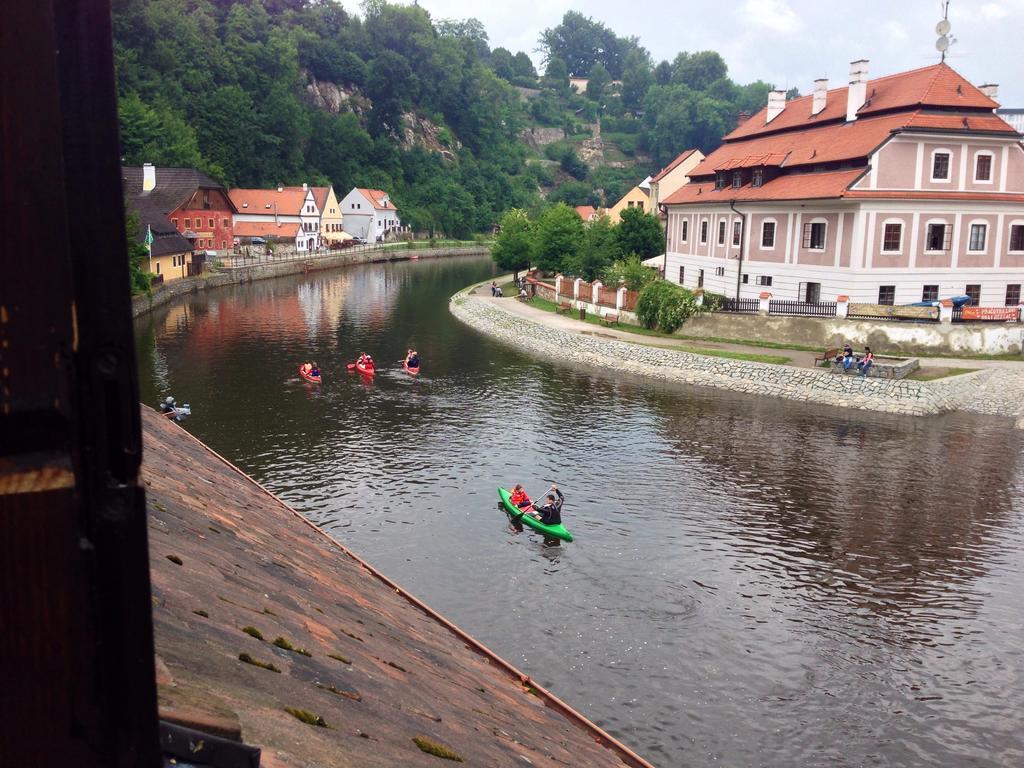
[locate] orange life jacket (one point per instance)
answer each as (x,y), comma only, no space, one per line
(518,496)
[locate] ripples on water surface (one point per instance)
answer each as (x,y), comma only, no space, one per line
(753,582)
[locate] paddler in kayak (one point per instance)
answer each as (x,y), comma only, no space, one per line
(305,368)
(550,513)
(412,359)
(315,369)
(365,360)
(519,497)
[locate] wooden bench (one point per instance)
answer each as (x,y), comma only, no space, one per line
(563,308)
(827,356)
(609,318)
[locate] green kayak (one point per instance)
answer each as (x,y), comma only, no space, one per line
(557,531)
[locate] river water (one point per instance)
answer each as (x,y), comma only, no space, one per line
(753,582)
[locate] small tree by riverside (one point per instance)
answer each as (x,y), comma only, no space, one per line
(514,245)
(138,254)
(557,237)
(640,233)
(630,271)
(598,251)
(665,306)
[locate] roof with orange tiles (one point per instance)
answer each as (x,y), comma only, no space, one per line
(937,85)
(286,201)
(838,141)
(320,195)
(377,197)
(266,229)
(673,165)
(795,186)
(586,212)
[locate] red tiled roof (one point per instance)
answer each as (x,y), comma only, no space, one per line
(376,196)
(821,144)
(265,229)
(937,85)
(320,195)
(673,165)
(586,211)
(288,201)
(959,122)
(795,186)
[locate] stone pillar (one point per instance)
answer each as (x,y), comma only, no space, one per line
(765,297)
(620,298)
(558,286)
(576,287)
(698,295)
(946,311)
(842,307)
(595,292)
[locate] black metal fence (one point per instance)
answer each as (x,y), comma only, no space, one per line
(742,306)
(802,309)
(958,314)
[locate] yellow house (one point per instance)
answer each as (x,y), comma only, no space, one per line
(673,176)
(638,197)
(331,229)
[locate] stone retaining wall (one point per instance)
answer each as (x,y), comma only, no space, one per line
(915,398)
(177,288)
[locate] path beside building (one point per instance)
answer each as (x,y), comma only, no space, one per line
(995,390)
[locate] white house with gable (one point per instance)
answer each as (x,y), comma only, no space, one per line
(369,214)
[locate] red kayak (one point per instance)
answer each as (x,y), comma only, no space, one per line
(411,371)
(366,370)
(309,377)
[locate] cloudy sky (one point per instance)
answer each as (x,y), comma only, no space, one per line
(785,42)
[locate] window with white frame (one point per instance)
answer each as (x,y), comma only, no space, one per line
(1013,294)
(757,178)
(764,279)
(682,275)
(892,237)
(978,233)
(737,230)
(940,164)
(974,294)
(814,235)
(719,271)
(930,293)
(983,167)
(737,179)
(938,236)
(887,294)
(768,233)
(685,230)
(721,232)
(704,232)
(1017,237)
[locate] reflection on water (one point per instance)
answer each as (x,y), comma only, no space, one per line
(753,582)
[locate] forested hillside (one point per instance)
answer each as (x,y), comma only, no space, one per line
(261,92)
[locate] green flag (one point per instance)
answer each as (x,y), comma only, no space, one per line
(149,238)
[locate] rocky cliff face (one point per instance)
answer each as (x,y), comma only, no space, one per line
(334,98)
(420,132)
(538,137)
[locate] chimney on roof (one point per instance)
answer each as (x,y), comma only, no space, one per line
(776,103)
(989,89)
(820,95)
(858,90)
(305,187)
(280,189)
(148,177)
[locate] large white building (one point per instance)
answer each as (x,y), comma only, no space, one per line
(369,214)
(891,191)
(286,214)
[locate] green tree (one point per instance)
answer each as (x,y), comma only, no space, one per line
(599,80)
(514,244)
(557,238)
(571,163)
(631,271)
(575,193)
(698,70)
(665,305)
(598,251)
(636,79)
(639,233)
(138,253)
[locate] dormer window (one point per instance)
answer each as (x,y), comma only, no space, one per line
(737,179)
(720,180)
(757,179)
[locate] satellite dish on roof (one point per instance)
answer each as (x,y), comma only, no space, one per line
(943,27)
(942,44)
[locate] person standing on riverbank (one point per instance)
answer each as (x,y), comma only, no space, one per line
(494,288)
